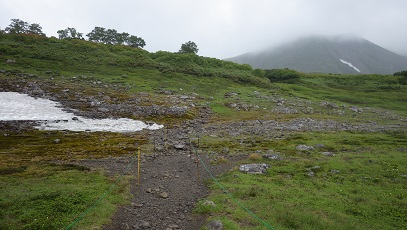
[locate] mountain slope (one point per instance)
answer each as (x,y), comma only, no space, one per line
(324,54)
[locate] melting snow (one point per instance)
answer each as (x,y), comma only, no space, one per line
(16,106)
(349,64)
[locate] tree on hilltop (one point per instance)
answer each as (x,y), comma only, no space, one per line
(35,28)
(112,37)
(189,47)
(69,33)
(18,26)
(136,42)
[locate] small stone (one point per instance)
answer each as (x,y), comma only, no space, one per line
(142,225)
(319,145)
(311,173)
(328,154)
(136,205)
(335,171)
(254,168)
(173,226)
(149,190)
(273,157)
(209,203)
(214,225)
(163,195)
(57,141)
(304,147)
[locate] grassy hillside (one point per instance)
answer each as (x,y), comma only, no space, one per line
(362,186)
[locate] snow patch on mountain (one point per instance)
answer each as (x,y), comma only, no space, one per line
(22,107)
(349,64)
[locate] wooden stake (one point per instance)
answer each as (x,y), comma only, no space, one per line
(138,174)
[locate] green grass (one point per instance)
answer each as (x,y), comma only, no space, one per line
(53,197)
(368,190)
(39,194)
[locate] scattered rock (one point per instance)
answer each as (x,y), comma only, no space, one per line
(254,168)
(273,157)
(335,171)
(163,195)
(328,154)
(142,225)
(311,173)
(57,141)
(10,61)
(319,146)
(209,203)
(149,190)
(137,205)
(173,226)
(214,225)
(304,148)
(179,146)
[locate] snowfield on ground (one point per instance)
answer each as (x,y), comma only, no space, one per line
(349,64)
(22,107)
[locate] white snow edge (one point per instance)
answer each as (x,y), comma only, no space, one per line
(21,107)
(349,64)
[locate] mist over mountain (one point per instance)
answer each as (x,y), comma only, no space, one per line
(343,54)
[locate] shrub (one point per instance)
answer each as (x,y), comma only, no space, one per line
(283,75)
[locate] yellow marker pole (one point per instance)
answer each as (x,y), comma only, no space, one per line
(138,167)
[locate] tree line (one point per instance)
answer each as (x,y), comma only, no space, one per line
(98,34)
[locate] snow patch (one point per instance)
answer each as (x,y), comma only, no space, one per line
(349,64)
(20,107)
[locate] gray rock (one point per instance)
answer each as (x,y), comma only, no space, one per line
(163,195)
(273,157)
(319,145)
(179,146)
(311,173)
(254,168)
(214,225)
(304,148)
(328,154)
(57,141)
(209,203)
(103,110)
(142,225)
(173,226)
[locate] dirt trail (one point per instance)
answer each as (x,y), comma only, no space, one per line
(168,191)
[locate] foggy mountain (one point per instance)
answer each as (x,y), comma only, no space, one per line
(337,54)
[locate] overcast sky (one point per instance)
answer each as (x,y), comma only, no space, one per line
(220,28)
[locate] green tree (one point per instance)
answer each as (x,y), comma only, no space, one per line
(17,26)
(189,47)
(97,34)
(69,33)
(35,28)
(135,41)
(122,38)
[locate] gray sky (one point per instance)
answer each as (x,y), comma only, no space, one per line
(220,28)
